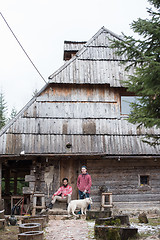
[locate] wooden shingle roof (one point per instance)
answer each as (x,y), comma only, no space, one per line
(94,57)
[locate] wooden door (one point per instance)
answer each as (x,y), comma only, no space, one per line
(69,168)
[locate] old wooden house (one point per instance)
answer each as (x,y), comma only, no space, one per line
(79,117)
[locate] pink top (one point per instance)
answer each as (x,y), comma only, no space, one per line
(84,182)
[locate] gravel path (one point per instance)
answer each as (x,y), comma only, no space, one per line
(69,229)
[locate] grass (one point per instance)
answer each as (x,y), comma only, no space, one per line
(151,221)
(154,222)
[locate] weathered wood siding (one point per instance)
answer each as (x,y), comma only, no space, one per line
(122,179)
(73,45)
(88,117)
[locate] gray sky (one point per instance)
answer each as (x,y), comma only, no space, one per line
(42,26)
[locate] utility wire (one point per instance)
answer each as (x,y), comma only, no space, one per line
(22,47)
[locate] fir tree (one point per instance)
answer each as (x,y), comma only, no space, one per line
(3,110)
(144,55)
(13,113)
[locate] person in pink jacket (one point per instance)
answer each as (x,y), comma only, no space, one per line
(84,184)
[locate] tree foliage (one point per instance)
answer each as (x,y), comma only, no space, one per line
(144,55)
(13,113)
(3,110)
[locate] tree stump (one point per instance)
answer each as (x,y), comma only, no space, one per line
(45,217)
(28,227)
(116,220)
(114,232)
(98,214)
(34,220)
(33,235)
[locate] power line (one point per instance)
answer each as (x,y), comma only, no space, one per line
(22,47)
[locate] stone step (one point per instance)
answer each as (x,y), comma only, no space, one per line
(57,211)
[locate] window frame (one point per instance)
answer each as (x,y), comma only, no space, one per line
(125,95)
(144,187)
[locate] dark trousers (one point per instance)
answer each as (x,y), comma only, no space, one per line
(82,196)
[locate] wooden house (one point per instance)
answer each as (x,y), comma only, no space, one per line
(79,117)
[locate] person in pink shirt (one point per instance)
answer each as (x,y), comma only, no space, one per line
(63,194)
(84,184)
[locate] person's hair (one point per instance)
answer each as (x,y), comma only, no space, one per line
(84,167)
(65,179)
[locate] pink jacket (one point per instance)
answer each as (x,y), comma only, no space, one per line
(84,182)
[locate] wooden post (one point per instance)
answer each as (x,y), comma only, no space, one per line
(7,181)
(103,202)
(15,183)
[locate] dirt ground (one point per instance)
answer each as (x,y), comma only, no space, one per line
(57,229)
(10,233)
(69,229)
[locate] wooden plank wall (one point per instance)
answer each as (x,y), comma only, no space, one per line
(87,117)
(122,179)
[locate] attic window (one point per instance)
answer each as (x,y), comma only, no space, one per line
(126,104)
(69,54)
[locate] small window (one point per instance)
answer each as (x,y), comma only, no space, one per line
(144,180)
(126,104)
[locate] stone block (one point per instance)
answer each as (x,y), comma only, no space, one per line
(30,178)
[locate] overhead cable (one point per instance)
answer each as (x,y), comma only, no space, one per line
(22,48)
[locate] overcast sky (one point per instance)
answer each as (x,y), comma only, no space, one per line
(41,26)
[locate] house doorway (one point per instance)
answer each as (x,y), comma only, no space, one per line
(69,168)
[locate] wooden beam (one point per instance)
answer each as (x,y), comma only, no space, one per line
(15,183)
(7,181)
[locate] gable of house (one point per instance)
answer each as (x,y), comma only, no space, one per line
(79,106)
